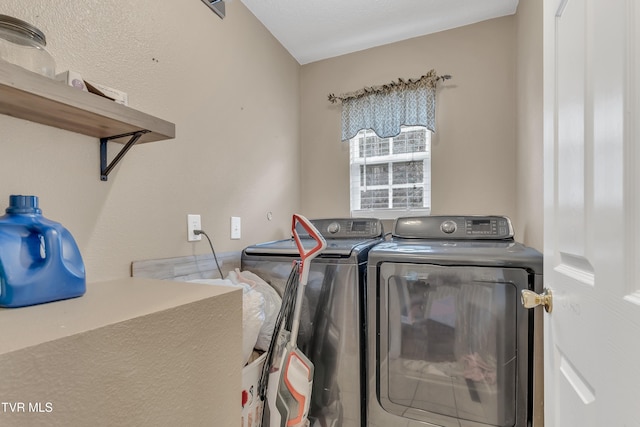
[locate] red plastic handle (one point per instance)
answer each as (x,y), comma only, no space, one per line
(315,235)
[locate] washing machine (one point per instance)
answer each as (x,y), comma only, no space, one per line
(449,342)
(332,321)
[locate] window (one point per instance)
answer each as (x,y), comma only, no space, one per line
(391,177)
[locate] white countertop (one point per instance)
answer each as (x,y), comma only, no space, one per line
(103,304)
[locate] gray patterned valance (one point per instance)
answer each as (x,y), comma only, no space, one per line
(385,108)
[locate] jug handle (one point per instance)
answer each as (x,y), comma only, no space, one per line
(52,242)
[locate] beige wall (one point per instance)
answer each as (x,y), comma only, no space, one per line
(255,132)
(473,165)
(231,89)
(529,106)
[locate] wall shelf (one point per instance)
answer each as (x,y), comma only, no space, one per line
(30,96)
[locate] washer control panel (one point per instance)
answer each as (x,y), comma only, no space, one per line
(348,228)
(454,227)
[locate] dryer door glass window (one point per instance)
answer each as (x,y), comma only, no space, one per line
(448,343)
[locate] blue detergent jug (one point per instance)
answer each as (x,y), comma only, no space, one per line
(39,259)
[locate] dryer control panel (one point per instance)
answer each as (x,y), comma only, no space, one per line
(472,227)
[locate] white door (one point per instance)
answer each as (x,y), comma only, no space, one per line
(592,212)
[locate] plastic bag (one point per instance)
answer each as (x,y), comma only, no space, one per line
(253,313)
(272,303)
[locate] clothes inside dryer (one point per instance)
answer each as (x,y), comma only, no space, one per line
(452,341)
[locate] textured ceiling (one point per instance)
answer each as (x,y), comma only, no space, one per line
(312,30)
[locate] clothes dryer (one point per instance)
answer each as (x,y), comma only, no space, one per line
(332,323)
(449,342)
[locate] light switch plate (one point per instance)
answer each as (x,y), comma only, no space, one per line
(235,228)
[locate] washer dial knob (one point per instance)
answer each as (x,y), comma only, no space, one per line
(333,228)
(448,227)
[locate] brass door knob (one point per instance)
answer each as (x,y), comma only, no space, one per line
(531,300)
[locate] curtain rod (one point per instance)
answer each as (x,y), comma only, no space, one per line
(430,78)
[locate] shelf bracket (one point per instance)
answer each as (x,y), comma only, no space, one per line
(106,169)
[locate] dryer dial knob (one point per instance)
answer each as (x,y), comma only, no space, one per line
(333,228)
(448,227)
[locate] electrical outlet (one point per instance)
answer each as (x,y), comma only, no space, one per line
(235,227)
(193,223)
